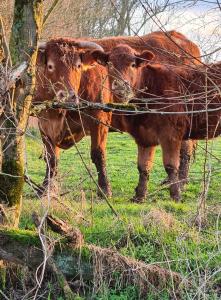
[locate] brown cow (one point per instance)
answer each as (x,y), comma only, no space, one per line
(124,67)
(90,89)
(184,104)
(196,91)
(59,69)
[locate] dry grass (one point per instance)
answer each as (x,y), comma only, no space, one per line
(161,219)
(109,265)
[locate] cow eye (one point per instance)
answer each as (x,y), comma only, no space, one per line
(78,66)
(133,65)
(50,67)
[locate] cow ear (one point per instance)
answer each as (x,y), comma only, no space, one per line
(101,57)
(95,56)
(41,56)
(144,58)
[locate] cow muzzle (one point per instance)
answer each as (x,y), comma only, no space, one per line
(122,90)
(67,96)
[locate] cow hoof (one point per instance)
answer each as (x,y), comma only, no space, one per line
(137,199)
(104,192)
(166,181)
(40,191)
(50,189)
(176,198)
(108,193)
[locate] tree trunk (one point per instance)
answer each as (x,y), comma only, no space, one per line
(27,25)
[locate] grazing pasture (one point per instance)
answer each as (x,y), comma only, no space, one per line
(70,238)
(158,231)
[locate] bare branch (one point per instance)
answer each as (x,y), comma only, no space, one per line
(51,9)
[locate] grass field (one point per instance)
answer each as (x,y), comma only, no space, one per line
(159,230)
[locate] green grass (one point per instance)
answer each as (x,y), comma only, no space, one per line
(183,248)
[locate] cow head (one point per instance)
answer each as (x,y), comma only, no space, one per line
(60,64)
(123,67)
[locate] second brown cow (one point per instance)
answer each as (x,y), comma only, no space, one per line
(184,103)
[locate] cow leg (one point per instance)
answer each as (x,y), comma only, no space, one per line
(171,161)
(144,165)
(98,155)
(51,157)
(186,152)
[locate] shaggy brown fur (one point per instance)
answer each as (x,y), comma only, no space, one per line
(178,89)
(184,89)
(124,65)
(62,129)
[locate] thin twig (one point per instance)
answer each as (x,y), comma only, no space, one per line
(53,6)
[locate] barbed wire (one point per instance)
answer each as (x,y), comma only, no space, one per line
(115,107)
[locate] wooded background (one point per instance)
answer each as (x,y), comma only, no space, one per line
(199,20)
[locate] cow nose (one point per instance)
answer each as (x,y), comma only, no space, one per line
(67,96)
(122,90)
(115,85)
(61,95)
(73,97)
(120,84)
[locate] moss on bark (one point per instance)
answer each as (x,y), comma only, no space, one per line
(16,39)
(24,237)
(25,13)
(95,265)
(12,182)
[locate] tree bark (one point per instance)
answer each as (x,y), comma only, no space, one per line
(27,25)
(5,56)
